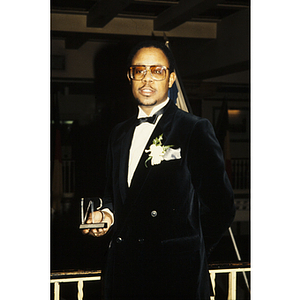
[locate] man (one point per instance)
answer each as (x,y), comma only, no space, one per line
(168,196)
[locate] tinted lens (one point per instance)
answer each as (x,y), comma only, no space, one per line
(158,72)
(139,72)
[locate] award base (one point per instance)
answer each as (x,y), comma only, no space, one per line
(93,226)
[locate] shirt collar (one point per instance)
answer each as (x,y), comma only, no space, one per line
(142,114)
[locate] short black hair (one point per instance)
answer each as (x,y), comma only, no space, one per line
(153,44)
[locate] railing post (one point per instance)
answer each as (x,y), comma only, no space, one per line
(213,284)
(232,280)
(80,290)
(56,290)
(232,285)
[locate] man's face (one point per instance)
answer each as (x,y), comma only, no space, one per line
(147,91)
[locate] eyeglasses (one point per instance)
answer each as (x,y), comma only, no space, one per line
(157,72)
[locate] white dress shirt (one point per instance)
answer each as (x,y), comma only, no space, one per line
(140,138)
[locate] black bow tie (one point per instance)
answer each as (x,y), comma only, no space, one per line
(152,119)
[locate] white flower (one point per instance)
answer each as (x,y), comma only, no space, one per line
(156,154)
(158,150)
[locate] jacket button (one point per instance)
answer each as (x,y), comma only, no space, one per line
(119,240)
(153,213)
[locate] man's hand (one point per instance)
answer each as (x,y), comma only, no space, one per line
(99,216)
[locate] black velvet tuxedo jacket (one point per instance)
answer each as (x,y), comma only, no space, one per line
(172,215)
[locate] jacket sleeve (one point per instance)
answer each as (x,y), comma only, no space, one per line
(211,183)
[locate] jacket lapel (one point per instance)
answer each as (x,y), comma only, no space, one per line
(142,172)
(125,144)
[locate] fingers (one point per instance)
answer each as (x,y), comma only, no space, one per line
(89,221)
(96,217)
(98,232)
(95,232)
(85,231)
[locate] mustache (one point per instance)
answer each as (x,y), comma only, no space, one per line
(147,85)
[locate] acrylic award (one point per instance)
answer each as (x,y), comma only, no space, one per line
(88,206)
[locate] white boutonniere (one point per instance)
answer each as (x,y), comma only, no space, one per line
(159,152)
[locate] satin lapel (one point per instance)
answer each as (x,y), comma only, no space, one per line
(142,172)
(124,157)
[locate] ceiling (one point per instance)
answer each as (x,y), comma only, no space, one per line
(150,16)
(209,10)
(189,24)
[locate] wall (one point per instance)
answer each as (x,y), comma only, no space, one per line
(79,63)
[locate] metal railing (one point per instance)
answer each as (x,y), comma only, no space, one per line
(232,271)
(240,173)
(73,276)
(83,276)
